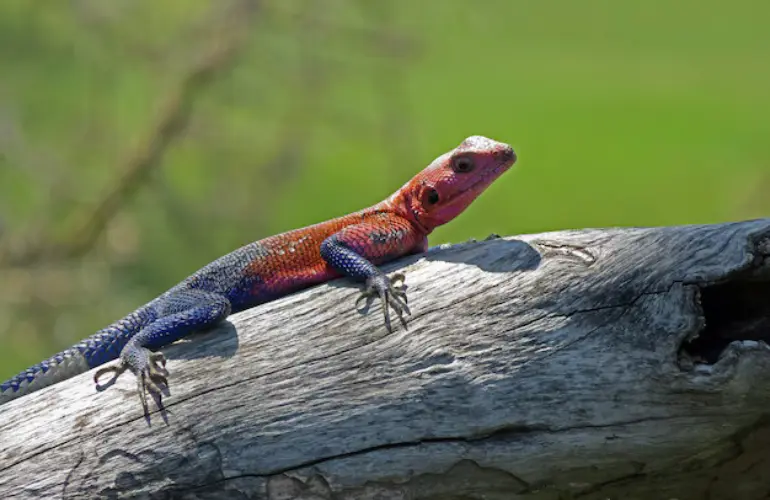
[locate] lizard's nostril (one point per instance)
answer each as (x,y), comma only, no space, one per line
(506,154)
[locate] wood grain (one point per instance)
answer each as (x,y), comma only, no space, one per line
(538,366)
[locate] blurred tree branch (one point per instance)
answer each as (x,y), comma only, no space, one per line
(258,124)
(297,125)
(136,166)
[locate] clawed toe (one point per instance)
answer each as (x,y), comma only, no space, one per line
(117,369)
(155,368)
(152,380)
(392,293)
(149,369)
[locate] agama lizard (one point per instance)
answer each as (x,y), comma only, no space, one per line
(352,245)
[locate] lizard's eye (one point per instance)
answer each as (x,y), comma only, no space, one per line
(463,164)
(431,197)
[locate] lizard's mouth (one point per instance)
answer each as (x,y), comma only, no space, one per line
(490,175)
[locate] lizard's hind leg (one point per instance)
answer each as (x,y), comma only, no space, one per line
(179,314)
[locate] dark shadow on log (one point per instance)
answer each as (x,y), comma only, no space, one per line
(735,311)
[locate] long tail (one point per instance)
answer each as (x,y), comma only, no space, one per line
(61,366)
(101,347)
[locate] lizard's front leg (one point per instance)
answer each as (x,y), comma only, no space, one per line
(354,250)
(179,314)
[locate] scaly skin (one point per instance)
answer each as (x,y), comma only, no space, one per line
(352,245)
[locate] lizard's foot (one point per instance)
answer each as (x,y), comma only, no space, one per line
(392,293)
(148,367)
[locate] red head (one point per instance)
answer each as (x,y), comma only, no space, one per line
(448,185)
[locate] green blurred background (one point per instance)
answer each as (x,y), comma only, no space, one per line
(141,139)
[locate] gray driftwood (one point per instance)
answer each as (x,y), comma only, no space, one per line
(536,367)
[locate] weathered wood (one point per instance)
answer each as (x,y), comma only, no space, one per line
(541,366)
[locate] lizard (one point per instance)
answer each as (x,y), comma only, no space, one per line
(352,246)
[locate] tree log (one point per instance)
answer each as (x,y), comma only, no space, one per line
(596,364)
